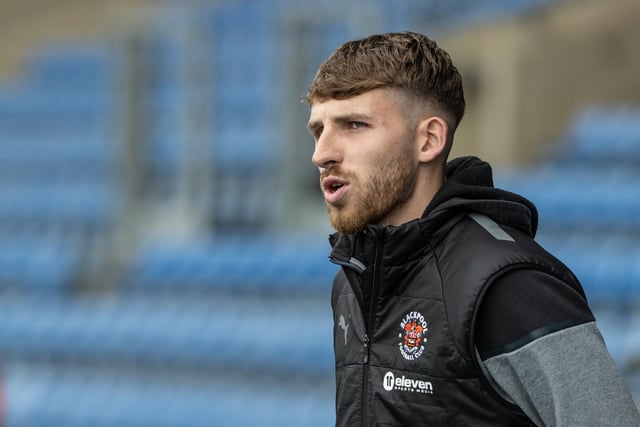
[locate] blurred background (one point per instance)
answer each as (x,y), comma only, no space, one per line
(163,252)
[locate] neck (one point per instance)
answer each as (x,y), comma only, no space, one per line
(427,185)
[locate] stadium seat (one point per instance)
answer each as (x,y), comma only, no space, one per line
(286,266)
(39,396)
(167,332)
(601,134)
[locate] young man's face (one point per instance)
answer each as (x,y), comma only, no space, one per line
(365,149)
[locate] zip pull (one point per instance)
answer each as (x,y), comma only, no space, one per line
(365,343)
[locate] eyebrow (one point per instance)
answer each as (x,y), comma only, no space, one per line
(342,118)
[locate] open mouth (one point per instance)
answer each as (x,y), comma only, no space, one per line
(334,189)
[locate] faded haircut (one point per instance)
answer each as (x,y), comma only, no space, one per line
(407,61)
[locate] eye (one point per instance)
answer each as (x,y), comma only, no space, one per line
(357,125)
(317,131)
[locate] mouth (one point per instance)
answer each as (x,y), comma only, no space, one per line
(334,189)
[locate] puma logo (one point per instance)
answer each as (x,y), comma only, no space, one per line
(344,326)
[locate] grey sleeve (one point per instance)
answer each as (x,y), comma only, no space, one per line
(566,378)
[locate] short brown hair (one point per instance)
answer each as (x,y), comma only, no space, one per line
(408,61)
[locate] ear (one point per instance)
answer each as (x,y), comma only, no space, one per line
(431,135)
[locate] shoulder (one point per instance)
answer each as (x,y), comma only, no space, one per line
(523,305)
(485,248)
(480,260)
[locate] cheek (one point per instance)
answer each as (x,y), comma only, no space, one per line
(369,158)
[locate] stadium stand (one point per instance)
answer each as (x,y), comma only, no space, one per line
(232,327)
(57,192)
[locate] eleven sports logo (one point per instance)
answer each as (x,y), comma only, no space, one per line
(391,382)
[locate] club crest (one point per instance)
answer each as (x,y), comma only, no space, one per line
(412,340)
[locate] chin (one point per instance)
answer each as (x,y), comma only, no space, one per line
(345,224)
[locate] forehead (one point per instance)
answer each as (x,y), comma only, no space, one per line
(376,103)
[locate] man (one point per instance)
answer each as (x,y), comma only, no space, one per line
(446,311)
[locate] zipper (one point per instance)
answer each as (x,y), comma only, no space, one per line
(370,330)
(365,379)
(365,344)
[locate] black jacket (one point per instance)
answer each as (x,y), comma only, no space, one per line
(406,298)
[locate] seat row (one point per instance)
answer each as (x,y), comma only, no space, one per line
(38,265)
(243,335)
(608,268)
(85,203)
(571,196)
(235,263)
(45,395)
(603,134)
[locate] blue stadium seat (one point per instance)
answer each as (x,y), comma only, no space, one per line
(41,397)
(603,134)
(38,265)
(608,265)
(269,336)
(263,264)
(78,67)
(76,205)
(579,197)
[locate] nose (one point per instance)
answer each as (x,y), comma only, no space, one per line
(327,152)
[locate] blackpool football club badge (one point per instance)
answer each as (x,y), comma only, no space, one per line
(412,340)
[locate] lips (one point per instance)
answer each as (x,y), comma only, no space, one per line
(334,189)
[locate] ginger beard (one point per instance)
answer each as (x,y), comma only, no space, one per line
(373,196)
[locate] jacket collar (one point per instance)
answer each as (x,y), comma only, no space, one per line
(469,185)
